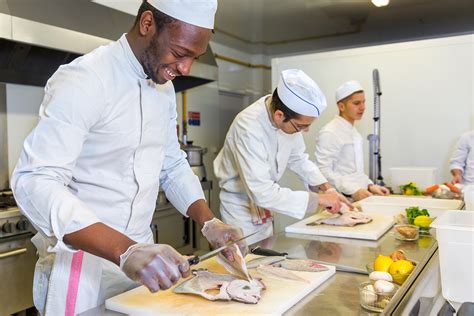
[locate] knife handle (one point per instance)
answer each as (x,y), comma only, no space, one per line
(267,252)
(193,260)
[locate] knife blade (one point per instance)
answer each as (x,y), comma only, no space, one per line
(196,259)
(339,267)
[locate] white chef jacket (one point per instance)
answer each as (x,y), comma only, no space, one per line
(105,142)
(254,157)
(463,157)
(339,156)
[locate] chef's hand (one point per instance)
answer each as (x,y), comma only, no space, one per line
(157,266)
(330,201)
(361,194)
(342,198)
(378,190)
(218,234)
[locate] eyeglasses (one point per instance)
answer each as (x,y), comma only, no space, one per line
(298,128)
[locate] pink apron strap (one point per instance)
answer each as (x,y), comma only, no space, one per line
(73,284)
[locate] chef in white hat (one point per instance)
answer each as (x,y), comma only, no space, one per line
(339,147)
(89,173)
(263,141)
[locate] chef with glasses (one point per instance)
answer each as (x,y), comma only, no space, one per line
(263,141)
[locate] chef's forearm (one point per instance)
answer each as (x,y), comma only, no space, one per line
(100,240)
(200,212)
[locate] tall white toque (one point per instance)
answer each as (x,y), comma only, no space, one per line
(300,93)
(197,12)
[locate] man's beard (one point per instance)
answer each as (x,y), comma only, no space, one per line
(150,62)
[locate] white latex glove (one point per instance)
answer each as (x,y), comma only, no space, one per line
(330,201)
(219,234)
(361,194)
(157,266)
(378,190)
(341,196)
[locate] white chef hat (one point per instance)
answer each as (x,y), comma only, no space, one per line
(197,12)
(300,93)
(347,89)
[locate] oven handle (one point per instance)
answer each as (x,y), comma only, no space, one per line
(12,253)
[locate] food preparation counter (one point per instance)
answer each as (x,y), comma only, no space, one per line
(340,295)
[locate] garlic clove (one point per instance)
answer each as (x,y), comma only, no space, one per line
(380,275)
(383,287)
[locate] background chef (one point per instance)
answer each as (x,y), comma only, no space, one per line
(461,163)
(339,147)
(89,173)
(263,141)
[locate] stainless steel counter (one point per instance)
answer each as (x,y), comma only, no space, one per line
(339,295)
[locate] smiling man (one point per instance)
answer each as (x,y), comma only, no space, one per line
(90,172)
(339,148)
(263,141)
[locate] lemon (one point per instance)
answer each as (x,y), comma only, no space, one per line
(409,191)
(423,221)
(382,263)
(400,270)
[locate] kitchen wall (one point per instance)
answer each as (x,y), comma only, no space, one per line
(427,100)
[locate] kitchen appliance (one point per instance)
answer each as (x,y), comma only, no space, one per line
(195,158)
(375,159)
(17,257)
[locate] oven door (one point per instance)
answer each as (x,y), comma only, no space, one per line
(170,227)
(17,264)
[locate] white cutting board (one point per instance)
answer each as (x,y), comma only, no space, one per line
(279,296)
(371,231)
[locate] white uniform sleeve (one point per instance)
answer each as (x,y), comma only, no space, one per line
(254,170)
(460,154)
(328,150)
(73,102)
(181,185)
(300,164)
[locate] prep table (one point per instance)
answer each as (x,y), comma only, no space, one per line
(339,295)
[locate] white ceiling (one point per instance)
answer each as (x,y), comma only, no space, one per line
(267,25)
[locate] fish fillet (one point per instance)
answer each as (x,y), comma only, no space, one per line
(301,265)
(347,219)
(279,273)
(262,261)
(236,267)
(229,286)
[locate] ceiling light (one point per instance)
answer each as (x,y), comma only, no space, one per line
(380,3)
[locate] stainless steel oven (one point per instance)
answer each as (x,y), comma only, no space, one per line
(17,258)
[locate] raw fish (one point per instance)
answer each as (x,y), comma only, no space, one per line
(346,219)
(238,266)
(301,265)
(279,273)
(229,286)
(262,261)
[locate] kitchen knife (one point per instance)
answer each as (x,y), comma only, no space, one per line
(339,267)
(196,259)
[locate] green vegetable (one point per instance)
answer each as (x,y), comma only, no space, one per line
(414,211)
(410,189)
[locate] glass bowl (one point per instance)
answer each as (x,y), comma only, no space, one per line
(407,232)
(373,301)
